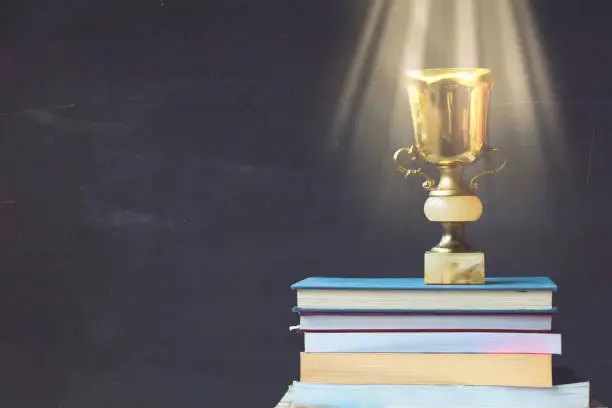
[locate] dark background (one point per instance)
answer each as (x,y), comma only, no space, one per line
(167,174)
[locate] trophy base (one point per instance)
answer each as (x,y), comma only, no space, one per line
(463,268)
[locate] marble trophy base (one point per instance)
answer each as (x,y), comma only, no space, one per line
(454,268)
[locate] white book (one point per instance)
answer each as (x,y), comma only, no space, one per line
(433,342)
(286,400)
(338,322)
(563,395)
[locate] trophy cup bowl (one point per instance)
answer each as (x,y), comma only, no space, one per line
(449,110)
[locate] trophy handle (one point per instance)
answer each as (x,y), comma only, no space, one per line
(474,183)
(429,182)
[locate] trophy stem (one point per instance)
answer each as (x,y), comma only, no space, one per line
(451,182)
(453,238)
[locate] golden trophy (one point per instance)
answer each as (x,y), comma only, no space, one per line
(449,112)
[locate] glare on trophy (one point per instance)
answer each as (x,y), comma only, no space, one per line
(449,112)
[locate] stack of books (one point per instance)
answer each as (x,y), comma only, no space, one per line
(397,342)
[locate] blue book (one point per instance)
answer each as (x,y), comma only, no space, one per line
(497,294)
(492,283)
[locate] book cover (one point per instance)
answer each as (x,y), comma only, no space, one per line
(524,283)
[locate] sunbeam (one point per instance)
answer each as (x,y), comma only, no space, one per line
(501,35)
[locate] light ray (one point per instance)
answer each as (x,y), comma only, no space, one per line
(497,34)
(349,88)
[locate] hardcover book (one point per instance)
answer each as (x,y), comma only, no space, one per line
(394,294)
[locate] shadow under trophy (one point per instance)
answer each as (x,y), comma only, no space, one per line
(449,112)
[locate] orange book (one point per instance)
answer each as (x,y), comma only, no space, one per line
(518,370)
